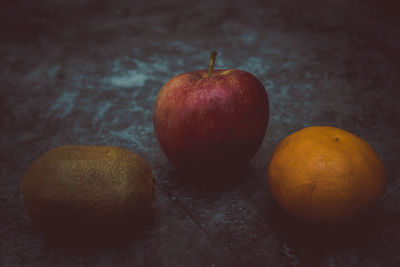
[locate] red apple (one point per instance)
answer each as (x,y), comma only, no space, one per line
(211,119)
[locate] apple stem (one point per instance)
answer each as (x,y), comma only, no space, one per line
(211,63)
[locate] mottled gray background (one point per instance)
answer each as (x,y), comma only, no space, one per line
(87,72)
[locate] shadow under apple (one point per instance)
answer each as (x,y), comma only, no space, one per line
(215,180)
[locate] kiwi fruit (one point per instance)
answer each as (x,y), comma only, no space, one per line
(87,186)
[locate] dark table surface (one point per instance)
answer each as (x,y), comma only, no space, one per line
(87,72)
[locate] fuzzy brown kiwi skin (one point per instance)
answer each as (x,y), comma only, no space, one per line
(87,186)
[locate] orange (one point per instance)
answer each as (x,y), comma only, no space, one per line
(325,175)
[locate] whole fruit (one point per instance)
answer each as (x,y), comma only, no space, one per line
(211,119)
(86,185)
(325,175)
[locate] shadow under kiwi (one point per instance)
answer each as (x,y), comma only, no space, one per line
(94,236)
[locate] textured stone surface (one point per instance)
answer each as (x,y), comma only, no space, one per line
(87,72)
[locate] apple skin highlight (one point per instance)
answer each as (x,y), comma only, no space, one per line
(211,122)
